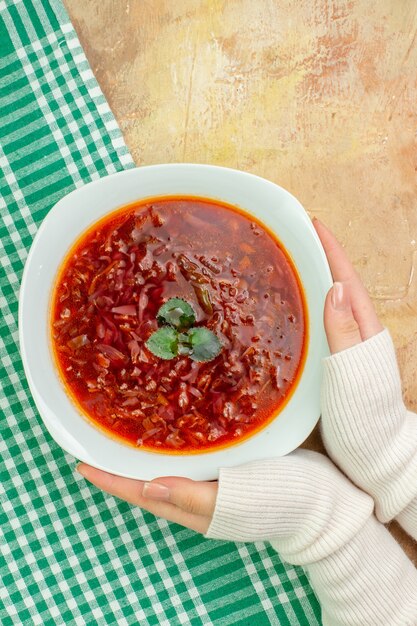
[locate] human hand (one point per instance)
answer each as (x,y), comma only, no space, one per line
(366,428)
(301,502)
(180,500)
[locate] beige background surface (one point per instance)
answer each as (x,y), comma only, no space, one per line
(316,95)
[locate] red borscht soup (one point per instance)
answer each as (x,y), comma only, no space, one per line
(242,286)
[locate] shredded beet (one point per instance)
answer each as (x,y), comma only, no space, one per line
(242,287)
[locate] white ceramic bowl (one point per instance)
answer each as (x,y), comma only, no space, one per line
(71,216)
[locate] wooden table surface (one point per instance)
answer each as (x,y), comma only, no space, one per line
(316,95)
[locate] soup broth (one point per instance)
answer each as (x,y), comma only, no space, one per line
(242,286)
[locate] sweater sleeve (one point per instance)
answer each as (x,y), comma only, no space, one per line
(316,518)
(368,581)
(367,429)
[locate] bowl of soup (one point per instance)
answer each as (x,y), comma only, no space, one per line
(170,321)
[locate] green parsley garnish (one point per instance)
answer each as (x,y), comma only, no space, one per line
(176,338)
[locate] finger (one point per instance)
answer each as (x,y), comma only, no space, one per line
(132,491)
(340,266)
(198,498)
(342,329)
(343,271)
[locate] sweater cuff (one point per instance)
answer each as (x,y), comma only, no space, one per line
(366,428)
(301,500)
(370,369)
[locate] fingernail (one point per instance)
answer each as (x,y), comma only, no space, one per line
(340,297)
(155,491)
(79,468)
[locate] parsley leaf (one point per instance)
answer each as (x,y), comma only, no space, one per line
(176,312)
(176,338)
(205,344)
(163,343)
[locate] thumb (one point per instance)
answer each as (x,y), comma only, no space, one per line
(190,496)
(342,329)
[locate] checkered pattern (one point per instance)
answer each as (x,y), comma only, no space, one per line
(71,554)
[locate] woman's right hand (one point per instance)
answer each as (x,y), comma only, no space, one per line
(366,428)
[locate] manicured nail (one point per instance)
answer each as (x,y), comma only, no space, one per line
(80,469)
(340,297)
(155,491)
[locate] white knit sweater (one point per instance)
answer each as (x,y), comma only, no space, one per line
(315,517)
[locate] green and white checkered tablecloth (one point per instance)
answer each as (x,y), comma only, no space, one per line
(69,553)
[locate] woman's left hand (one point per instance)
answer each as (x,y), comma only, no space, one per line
(178,500)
